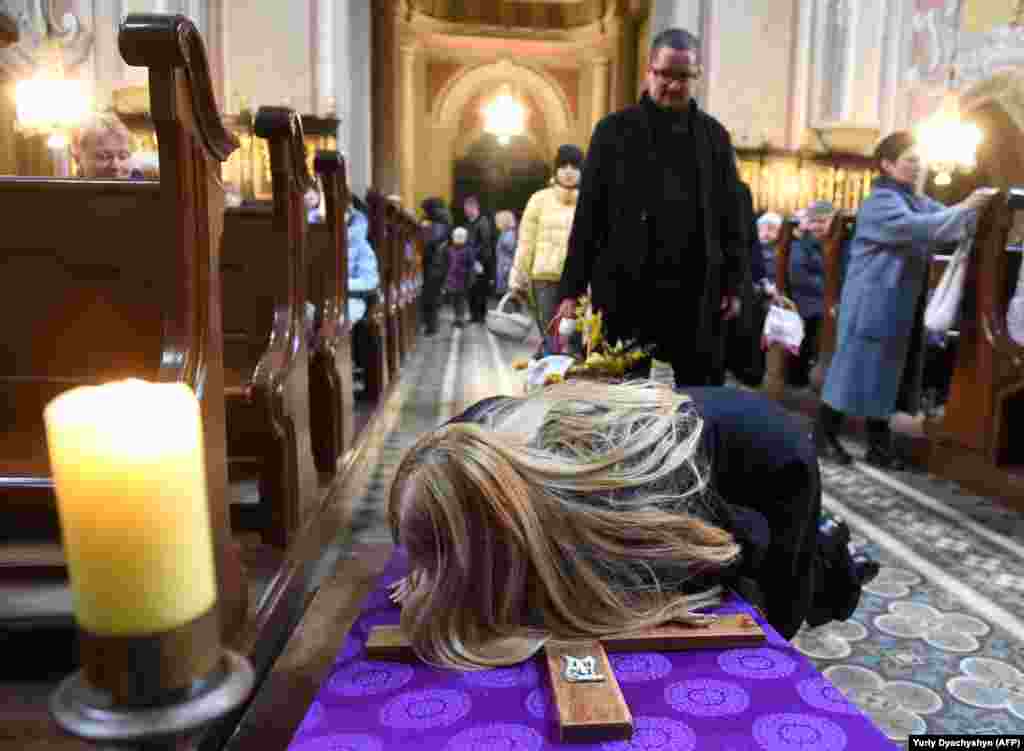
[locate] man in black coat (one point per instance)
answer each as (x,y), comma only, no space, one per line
(438,224)
(483,237)
(658,233)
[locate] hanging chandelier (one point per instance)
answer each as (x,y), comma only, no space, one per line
(949,144)
(504,116)
(47,100)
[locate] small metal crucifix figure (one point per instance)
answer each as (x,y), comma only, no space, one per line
(581,669)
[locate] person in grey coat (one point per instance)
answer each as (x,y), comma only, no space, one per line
(875,368)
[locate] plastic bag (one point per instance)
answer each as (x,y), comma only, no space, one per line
(944,303)
(1015,311)
(784,327)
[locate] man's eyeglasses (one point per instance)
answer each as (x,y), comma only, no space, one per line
(690,73)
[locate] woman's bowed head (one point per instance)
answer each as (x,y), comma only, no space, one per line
(575,512)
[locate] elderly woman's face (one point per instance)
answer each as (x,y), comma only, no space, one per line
(818,225)
(312,198)
(106,154)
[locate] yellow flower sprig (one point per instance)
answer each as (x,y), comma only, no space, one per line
(600,357)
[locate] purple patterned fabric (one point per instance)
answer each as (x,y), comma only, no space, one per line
(768,698)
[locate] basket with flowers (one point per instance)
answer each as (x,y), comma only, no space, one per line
(595,358)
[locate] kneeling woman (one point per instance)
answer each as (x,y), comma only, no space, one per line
(587,509)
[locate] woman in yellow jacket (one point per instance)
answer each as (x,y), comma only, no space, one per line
(544,241)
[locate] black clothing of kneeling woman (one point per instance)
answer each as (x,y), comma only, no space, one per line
(764,488)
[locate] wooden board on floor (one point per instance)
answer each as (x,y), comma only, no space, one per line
(588,712)
(390,644)
(739,630)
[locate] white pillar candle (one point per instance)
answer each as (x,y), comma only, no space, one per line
(127,462)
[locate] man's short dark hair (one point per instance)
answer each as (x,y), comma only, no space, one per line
(676,39)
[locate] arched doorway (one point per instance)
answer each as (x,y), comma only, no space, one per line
(467,160)
(501,176)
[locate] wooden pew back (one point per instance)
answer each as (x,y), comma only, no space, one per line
(125,276)
(266,333)
(840,232)
(987,391)
(383,240)
(776,358)
(331,396)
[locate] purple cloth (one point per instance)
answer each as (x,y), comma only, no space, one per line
(768,698)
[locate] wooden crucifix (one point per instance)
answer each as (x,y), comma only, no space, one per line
(589,701)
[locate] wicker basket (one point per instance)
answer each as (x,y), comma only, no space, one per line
(776,359)
(515,326)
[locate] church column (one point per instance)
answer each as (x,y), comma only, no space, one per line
(800,78)
(107,62)
(406,145)
(352,58)
(356,90)
(896,41)
(696,17)
(322,53)
(217,13)
(599,89)
(672,14)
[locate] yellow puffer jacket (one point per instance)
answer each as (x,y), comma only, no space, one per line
(543,237)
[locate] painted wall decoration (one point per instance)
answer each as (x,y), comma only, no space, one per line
(989,42)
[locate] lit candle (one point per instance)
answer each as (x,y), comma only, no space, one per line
(127,462)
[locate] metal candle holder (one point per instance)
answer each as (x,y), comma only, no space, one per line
(161,724)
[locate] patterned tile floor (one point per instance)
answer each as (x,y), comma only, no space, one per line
(937,643)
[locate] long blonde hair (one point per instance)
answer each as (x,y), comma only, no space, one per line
(551,518)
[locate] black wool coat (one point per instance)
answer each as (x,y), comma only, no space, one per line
(609,244)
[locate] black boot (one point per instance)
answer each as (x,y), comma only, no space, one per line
(865,568)
(825,431)
(880,453)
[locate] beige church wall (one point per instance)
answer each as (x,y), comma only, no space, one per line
(749,75)
(643,43)
(269,53)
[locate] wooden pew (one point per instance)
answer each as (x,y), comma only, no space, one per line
(266,350)
(395,248)
(330,368)
(840,232)
(777,359)
(407,249)
(381,238)
(107,279)
(977,440)
(160,299)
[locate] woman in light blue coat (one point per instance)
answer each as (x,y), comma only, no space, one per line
(363,276)
(882,303)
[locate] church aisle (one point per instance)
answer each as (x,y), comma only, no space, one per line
(937,643)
